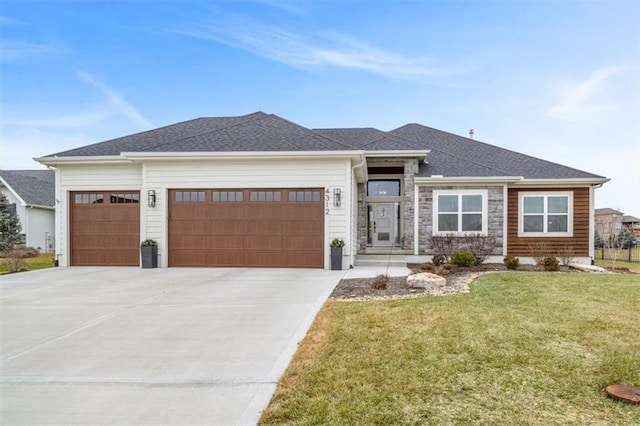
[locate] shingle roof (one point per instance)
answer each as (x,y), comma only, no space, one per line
(628,218)
(503,161)
(36,187)
(607,210)
(450,156)
(252,132)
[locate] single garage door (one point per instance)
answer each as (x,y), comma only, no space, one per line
(246,227)
(105,228)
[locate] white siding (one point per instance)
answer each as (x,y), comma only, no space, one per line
(294,173)
(86,178)
(160,176)
(39,224)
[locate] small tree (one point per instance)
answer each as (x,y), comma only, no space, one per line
(10,227)
(614,241)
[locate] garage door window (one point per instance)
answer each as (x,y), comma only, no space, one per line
(299,196)
(265,196)
(189,196)
(125,198)
(89,198)
(227,196)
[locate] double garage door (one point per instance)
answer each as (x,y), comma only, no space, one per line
(243,227)
(246,227)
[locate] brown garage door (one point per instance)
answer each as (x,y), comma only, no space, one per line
(246,227)
(105,228)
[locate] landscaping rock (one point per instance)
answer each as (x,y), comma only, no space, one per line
(426,281)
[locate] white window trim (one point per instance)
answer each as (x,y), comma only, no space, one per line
(485,210)
(523,194)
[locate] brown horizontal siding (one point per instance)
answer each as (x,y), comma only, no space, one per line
(521,246)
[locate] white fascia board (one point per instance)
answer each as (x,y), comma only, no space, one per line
(399,153)
(562,182)
(38,206)
(439,180)
(111,159)
(11,190)
(227,155)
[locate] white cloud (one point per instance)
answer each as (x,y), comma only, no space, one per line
(18,50)
(584,99)
(322,49)
(116,100)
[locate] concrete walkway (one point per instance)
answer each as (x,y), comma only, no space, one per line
(156,346)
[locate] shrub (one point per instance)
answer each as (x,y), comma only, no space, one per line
(566,255)
(444,245)
(539,251)
(550,263)
(463,258)
(481,246)
(426,267)
(380,282)
(439,259)
(512,262)
(14,264)
(23,252)
(337,243)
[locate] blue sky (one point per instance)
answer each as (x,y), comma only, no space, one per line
(556,80)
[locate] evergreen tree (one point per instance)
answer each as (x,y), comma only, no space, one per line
(10,227)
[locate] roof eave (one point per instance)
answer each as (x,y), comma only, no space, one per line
(39,206)
(53,161)
(227,155)
(564,182)
(438,180)
(423,153)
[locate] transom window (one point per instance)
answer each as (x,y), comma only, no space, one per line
(546,214)
(304,196)
(265,196)
(189,196)
(460,212)
(383,188)
(227,196)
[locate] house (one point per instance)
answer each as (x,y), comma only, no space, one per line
(259,190)
(32,194)
(608,221)
(632,224)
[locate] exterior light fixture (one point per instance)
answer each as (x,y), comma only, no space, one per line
(151,198)
(337,197)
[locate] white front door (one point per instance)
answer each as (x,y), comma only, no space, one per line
(382,225)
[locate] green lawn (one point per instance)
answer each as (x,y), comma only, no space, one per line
(42,261)
(521,348)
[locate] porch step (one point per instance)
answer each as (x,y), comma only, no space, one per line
(380,260)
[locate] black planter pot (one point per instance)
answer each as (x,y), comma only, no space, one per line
(336,258)
(149,256)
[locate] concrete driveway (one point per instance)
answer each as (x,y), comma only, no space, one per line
(128,345)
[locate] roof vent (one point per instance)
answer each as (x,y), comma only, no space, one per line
(470,133)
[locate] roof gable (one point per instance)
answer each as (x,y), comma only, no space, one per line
(35,187)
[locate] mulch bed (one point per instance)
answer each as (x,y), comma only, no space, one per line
(458,280)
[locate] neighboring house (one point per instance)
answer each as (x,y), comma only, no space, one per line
(258,190)
(32,192)
(632,223)
(608,221)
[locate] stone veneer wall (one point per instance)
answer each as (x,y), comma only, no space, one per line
(495,219)
(410,171)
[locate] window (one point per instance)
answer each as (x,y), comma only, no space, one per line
(227,196)
(299,196)
(545,214)
(124,198)
(460,212)
(265,196)
(383,188)
(90,198)
(189,196)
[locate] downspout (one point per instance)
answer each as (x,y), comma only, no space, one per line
(363,160)
(592,224)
